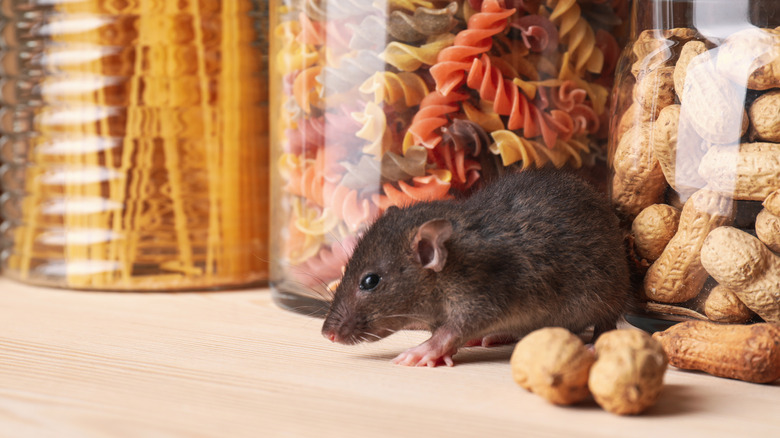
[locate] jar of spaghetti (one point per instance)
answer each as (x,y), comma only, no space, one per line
(695,159)
(391,102)
(134,143)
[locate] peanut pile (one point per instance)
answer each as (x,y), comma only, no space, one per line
(624,372)
(696,152)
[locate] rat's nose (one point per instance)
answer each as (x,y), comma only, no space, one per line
(330,335)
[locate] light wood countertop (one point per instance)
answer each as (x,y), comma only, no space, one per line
(233,364)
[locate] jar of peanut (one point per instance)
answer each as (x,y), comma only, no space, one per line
(694,155)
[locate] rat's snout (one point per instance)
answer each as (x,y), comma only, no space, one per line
(331,335)
(339,330)
(341,334)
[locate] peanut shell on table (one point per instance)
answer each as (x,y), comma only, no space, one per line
(744,352)
(628,374)
(553,363)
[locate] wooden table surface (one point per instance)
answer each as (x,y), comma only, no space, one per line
(233,364)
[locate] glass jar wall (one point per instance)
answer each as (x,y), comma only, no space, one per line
(695,158)
(390,102)
(134,143)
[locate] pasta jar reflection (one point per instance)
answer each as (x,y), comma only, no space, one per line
(695,159)
(391,102)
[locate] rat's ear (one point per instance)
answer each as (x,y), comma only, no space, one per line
(428,243)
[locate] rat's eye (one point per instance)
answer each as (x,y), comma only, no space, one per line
(369,282)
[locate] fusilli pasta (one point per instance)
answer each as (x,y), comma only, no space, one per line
(434,111)
(403,88)
(453,62)
(576,33)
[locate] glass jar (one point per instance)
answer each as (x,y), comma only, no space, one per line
(695,158)
(390,102)
(134,143)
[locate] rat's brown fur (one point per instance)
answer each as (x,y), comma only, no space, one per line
(533,249)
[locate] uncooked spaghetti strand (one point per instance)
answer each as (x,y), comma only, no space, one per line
(100,249)
(173,168)
(213,158)
(231,173)
(144,151)
(117,186)
(75,252)
(30,211)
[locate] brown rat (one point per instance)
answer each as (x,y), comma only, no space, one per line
(532,249)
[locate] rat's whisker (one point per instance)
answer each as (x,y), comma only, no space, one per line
(308,311)
(373,334)
(326,295)
(313,292)
(337,240)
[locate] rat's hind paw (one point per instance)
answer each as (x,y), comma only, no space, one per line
(422,355)
(492,340)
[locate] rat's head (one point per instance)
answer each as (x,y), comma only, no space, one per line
(389,281)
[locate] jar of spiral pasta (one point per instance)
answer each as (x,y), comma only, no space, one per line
(391,102)
(134,143)
(695,159)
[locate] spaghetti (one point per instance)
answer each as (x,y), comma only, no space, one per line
(148,169)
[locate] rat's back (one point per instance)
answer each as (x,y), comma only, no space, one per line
(552,240)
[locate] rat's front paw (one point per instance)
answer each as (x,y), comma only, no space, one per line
(423,355)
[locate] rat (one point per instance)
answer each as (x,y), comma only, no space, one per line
(532,249)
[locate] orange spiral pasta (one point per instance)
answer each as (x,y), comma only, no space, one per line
(311,32)
(349,206)
(465,171)
(423,188)
(308,136)
(307,90)
(433,114)
(509,101)
(476,39)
